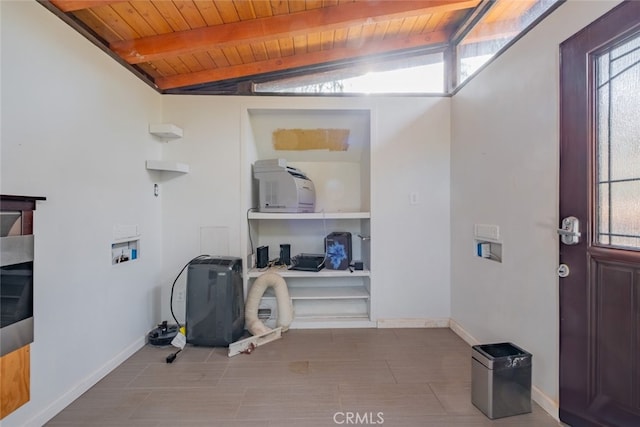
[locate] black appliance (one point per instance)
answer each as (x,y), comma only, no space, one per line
(16,284)
(215,301)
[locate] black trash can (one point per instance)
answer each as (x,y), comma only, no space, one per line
(501,380)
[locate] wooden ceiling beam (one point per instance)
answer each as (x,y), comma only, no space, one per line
(302,60)
(152,48)
(75,5)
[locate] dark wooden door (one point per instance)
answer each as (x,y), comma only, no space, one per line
(600,186)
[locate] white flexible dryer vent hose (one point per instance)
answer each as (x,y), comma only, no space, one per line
(285,307)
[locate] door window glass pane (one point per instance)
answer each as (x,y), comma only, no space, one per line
(618,146)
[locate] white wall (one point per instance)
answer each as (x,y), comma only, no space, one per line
(74,129)
(504,171)
(410,243)
(410,153)
(201,209)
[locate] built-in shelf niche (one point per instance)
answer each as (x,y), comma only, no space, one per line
(342,179)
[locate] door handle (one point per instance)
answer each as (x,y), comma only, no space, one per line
(570,231)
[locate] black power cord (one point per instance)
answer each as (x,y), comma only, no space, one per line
(249,228)
(174,285)
(172,356)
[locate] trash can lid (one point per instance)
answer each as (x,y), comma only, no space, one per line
(501,355)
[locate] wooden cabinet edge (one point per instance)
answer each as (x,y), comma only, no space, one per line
(15,378)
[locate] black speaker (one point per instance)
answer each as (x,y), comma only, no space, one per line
(337,247)
(285,254)
(263,257)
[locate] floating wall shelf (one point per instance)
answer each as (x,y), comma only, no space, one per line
(165,130)
(161,165)
(311,215)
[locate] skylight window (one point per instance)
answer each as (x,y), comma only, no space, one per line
(495,30)
(417,74)
(480,39)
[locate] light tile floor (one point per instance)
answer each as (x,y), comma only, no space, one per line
(326,377)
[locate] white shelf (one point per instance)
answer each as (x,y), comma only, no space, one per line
(325,316)
(314,215)
(324,273)
(325,297)
(161,165)
(165,130)
(324,292)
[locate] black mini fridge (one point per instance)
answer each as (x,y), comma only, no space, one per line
(215,301)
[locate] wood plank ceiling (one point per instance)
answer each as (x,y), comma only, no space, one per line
(185,46)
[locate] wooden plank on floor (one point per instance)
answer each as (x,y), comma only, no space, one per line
(247,345)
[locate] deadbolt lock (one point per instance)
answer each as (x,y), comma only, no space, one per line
(563,270)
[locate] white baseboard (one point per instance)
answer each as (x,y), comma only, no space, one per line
(63,401)
(550,406)
(459,330)
(545,402)
(413,323)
